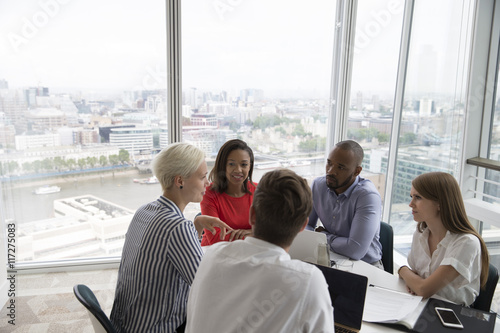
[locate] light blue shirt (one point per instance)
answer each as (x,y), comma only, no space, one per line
(352,219)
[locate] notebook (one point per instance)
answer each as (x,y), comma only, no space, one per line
(347,292)
(310,246)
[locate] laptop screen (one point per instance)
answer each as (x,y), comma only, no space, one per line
(305,246)
(347,292)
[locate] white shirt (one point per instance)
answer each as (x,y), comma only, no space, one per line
(461,251)
(253,286)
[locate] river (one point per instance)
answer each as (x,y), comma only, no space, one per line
(21,205)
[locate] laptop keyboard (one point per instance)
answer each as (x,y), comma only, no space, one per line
(339,329)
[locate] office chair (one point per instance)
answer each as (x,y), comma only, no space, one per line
(100,321)
(483,300)
(387,241)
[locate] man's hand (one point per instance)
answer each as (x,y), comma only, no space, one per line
(210,223)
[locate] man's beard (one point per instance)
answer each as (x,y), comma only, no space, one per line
(341,185)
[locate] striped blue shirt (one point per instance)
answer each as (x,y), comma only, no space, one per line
(159,260)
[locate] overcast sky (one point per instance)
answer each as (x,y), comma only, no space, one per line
(83,44)
(280,45)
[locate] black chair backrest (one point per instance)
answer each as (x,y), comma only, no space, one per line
(88,299)
(387,241)
(483,300)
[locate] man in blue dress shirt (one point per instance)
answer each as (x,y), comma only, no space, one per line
(348,206)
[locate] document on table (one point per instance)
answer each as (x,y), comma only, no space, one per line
(383,305)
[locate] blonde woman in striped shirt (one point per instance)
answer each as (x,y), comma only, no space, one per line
(162,248)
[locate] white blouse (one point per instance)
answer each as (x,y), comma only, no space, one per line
(461,251)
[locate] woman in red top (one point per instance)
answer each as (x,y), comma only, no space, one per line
(230,194)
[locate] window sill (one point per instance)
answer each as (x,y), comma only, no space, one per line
(483,211)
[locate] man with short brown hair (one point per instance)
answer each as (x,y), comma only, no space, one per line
(252,285)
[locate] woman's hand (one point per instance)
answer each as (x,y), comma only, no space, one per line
(210,223)
(427,287)
(410,291)
(239,234)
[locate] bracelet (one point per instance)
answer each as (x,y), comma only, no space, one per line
(401,267)
(203,230)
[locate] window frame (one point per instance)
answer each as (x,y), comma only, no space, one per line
(480,100)
(484,62)
(174,114)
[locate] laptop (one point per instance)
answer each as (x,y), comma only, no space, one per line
(347,292)
(306,246)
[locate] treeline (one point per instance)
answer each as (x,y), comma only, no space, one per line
(61,164)
(308,141)
(368,134)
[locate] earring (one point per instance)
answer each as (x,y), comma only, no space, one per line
(181,187)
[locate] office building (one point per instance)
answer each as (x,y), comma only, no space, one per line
(46,119)
(135,140)
(96,226)
(204,120)
(37,140)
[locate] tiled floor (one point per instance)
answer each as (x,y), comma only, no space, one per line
(45,302)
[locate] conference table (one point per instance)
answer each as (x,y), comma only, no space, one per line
(377,277)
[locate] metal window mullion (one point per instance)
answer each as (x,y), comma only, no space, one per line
(481,81)
(398,106)
(490,85)
(174,82)
(345,22)
(489,97)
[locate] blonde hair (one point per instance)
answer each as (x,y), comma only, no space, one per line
(443,188)
(178,159)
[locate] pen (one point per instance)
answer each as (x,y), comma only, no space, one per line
(389,289)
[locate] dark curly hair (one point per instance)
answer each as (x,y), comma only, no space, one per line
(218,174)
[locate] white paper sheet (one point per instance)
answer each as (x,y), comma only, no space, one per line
(383,305)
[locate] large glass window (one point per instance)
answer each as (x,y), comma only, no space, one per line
(488,180)
(432,118)
(259,71)
(374,72)
(82,108)
(488,185)
(494,142)
(83,103)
